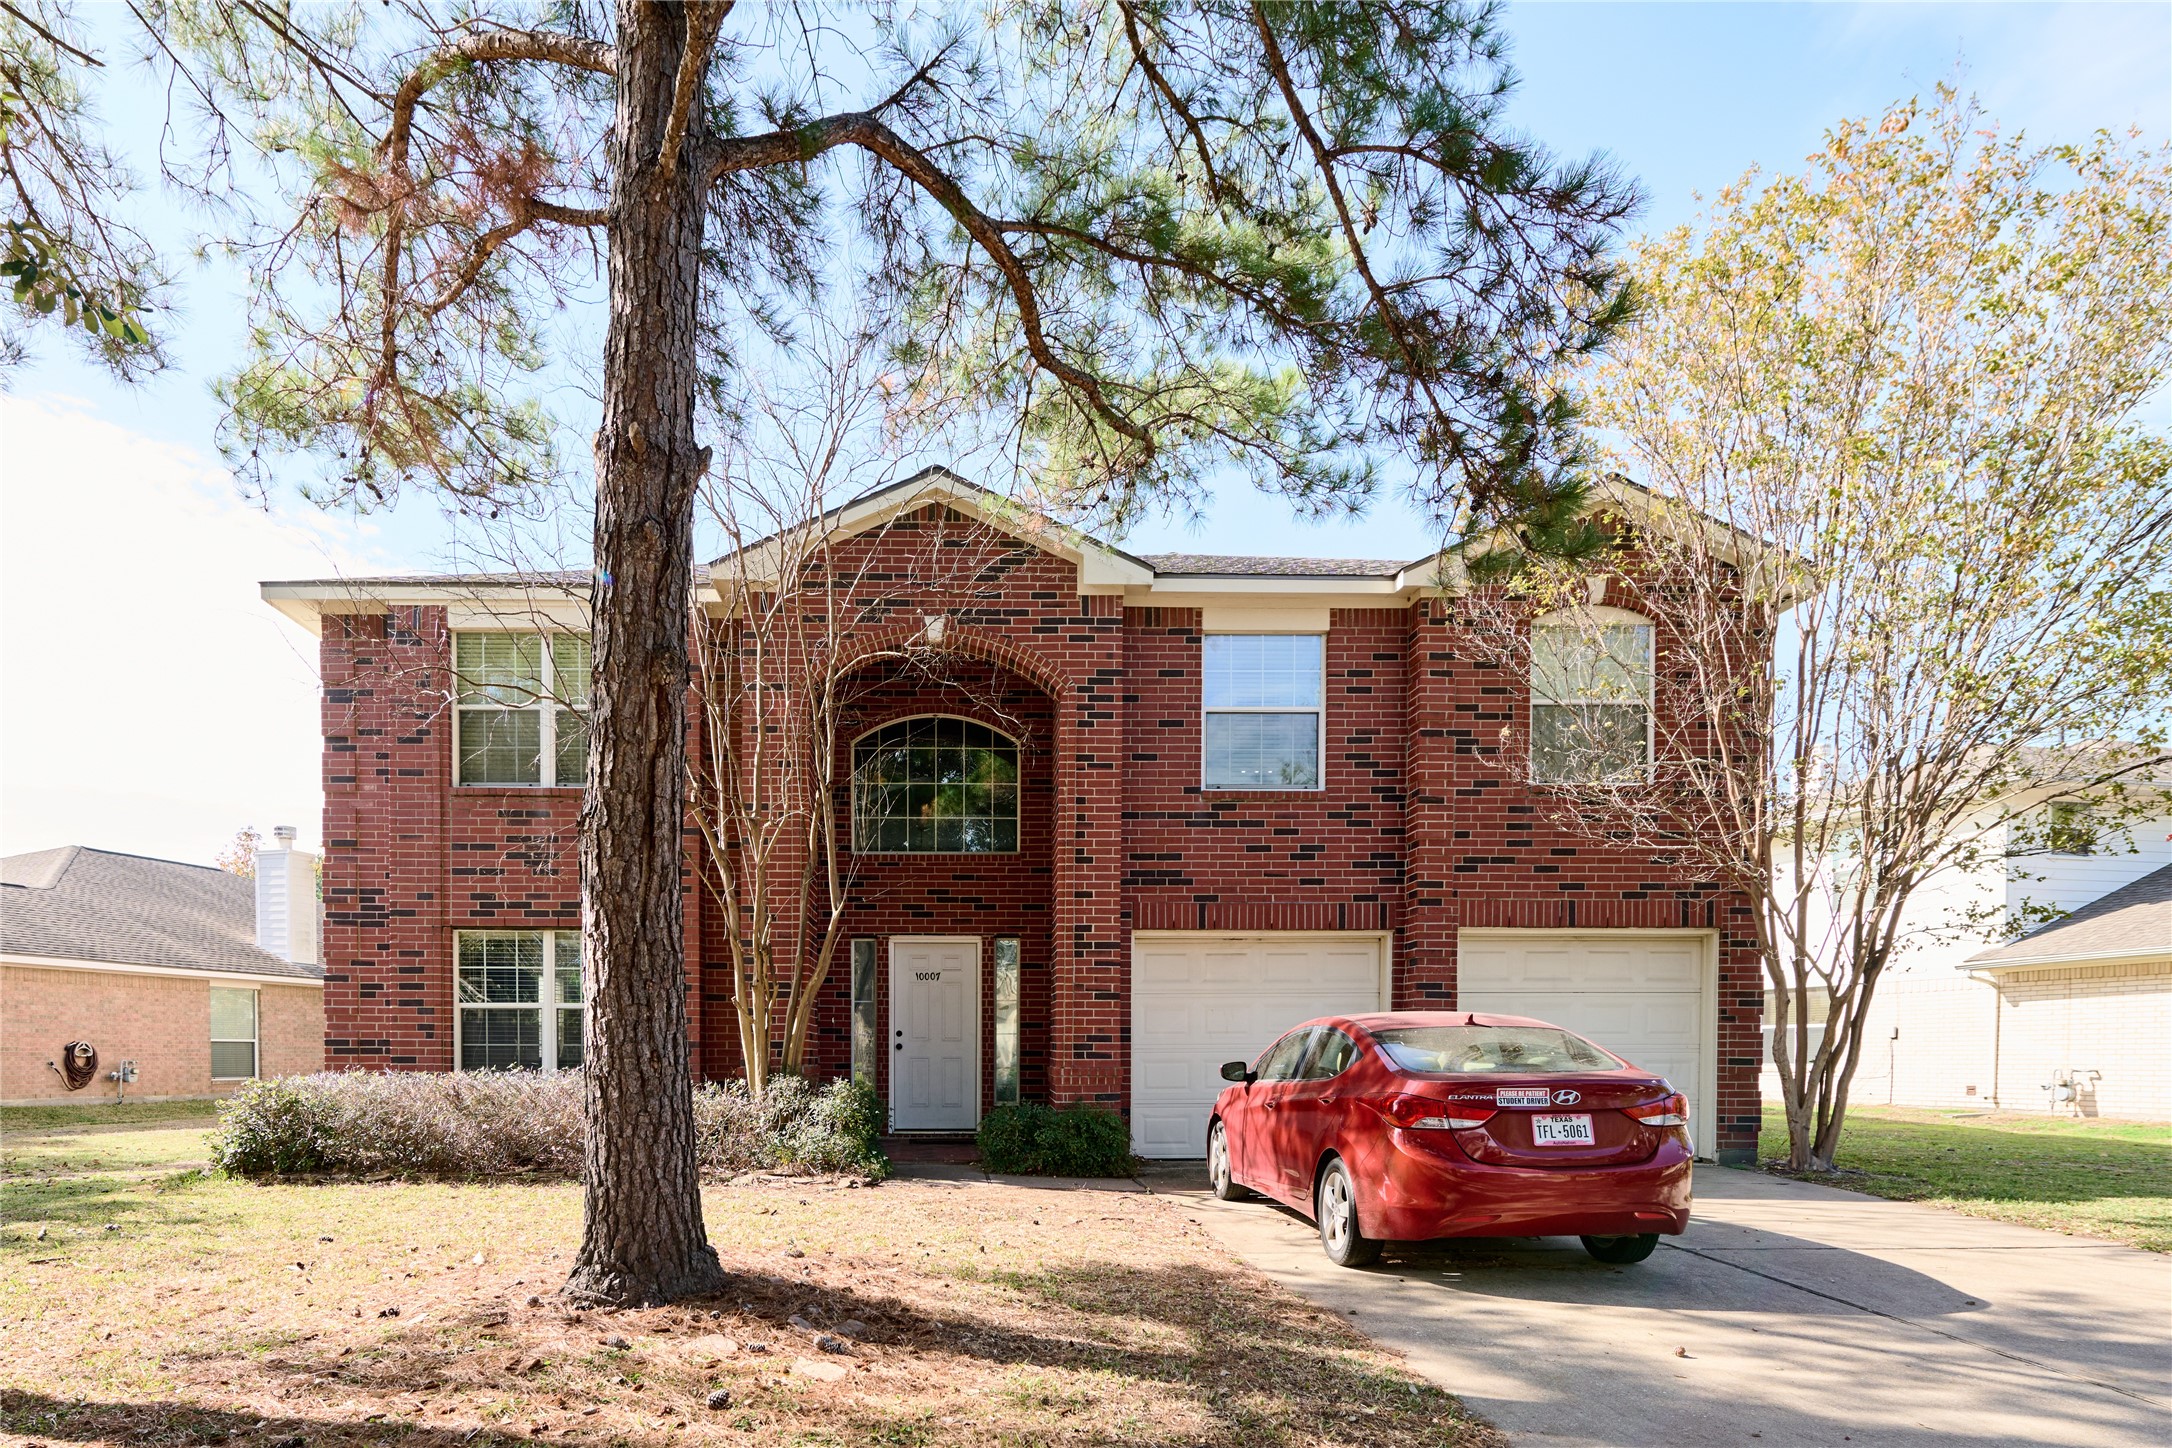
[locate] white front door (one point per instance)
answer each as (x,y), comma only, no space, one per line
(934,1032)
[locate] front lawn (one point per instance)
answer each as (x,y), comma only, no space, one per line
(103,1113)
(150,1304)
(2097,1178)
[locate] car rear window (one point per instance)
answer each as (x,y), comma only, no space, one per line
(1462,1050)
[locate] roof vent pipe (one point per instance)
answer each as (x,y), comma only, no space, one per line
(286,899)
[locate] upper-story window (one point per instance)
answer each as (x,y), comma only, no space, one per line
(1262,710)
(2070,828)
(521,712)
(935,785)
(1591,698)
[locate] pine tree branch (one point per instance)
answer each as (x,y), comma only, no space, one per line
(867,132)
(704,18)
(50,38)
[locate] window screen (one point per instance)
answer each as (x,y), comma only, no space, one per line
(1591,690)
(233,1033)
(1261,710)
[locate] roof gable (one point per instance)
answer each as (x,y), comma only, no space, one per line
(2134,920)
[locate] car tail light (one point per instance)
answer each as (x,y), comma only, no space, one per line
(1424,1113)
(1673,1111)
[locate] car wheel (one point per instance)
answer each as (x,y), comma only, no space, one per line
(1336,1203)
(1225,1185)
(1621,1251)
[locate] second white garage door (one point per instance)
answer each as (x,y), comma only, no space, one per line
(1200,999)
(1646,997)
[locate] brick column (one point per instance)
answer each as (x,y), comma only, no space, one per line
(1090,969)
(1425,973)
(388,982)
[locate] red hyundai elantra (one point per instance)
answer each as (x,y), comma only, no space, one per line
(1400,1128)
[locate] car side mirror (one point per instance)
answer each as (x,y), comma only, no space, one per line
(1237,1071)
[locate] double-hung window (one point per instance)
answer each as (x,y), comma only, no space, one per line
(1262,707)
(233,1033)
(1591,699)
(521,709)
(518,999)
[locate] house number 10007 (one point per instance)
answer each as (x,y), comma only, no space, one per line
(927,975)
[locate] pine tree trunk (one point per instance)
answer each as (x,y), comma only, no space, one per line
(642,1236)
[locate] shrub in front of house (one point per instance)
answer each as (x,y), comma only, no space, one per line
(796,1127)
(436,1125)
(1080,1140)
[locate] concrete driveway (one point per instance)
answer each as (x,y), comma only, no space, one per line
(1787,1314)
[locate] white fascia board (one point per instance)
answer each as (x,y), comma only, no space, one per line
(184,972)
(308,603)
(2069,957)
(1100,569)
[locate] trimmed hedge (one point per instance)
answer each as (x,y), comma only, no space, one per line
(434,1125)
(1082,1140)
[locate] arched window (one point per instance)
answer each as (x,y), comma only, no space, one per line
(1591,697)
(935,785)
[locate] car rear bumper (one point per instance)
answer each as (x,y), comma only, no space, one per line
(1428,1189)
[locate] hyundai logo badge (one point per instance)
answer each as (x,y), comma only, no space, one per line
(1567,1098)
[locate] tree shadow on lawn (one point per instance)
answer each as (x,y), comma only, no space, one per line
(78,1201)
(1214,1353)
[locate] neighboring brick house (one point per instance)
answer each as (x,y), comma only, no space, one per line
(198,978)
(1154,810)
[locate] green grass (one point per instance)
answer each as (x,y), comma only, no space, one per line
(2095,1178)
(49,1118)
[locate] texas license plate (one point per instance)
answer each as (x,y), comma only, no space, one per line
(1561,1131)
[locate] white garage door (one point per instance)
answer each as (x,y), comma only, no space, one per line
(1647,998)
(1199,999)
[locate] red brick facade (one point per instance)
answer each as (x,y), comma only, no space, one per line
(1420,829)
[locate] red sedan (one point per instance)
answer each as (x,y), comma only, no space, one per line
(1398,1128)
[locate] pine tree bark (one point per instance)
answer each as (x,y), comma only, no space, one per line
(642,1238)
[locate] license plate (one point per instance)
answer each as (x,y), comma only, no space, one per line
(1522,1096)
(1561,1131)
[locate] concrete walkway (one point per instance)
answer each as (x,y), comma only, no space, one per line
(1787,1314)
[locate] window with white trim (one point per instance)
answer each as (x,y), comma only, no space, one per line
(1262,710)
(520,715)
(2070,828)
(518,999)
(1591,698)
(233,1033)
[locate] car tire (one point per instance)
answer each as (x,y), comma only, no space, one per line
(1334,1203)
(1621,1251)
(1218,1170)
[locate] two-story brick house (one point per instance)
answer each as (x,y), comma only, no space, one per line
(1152,811)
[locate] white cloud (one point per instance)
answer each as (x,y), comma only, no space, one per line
(149,700)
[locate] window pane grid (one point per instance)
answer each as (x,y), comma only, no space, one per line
(521,707)
(935,785)
(520,1000)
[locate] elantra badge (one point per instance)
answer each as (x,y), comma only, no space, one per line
(1567,1098)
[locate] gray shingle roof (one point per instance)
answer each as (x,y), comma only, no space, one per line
(2135,919)
(76,903)
(1239,565)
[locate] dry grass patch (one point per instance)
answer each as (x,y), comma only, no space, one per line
(220,1311)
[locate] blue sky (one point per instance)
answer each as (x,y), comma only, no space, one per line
(116,519)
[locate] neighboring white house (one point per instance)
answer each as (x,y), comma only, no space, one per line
(2075,1015)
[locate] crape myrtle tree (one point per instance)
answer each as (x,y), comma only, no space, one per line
(1277,240)
(781,668)
(1895,418)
